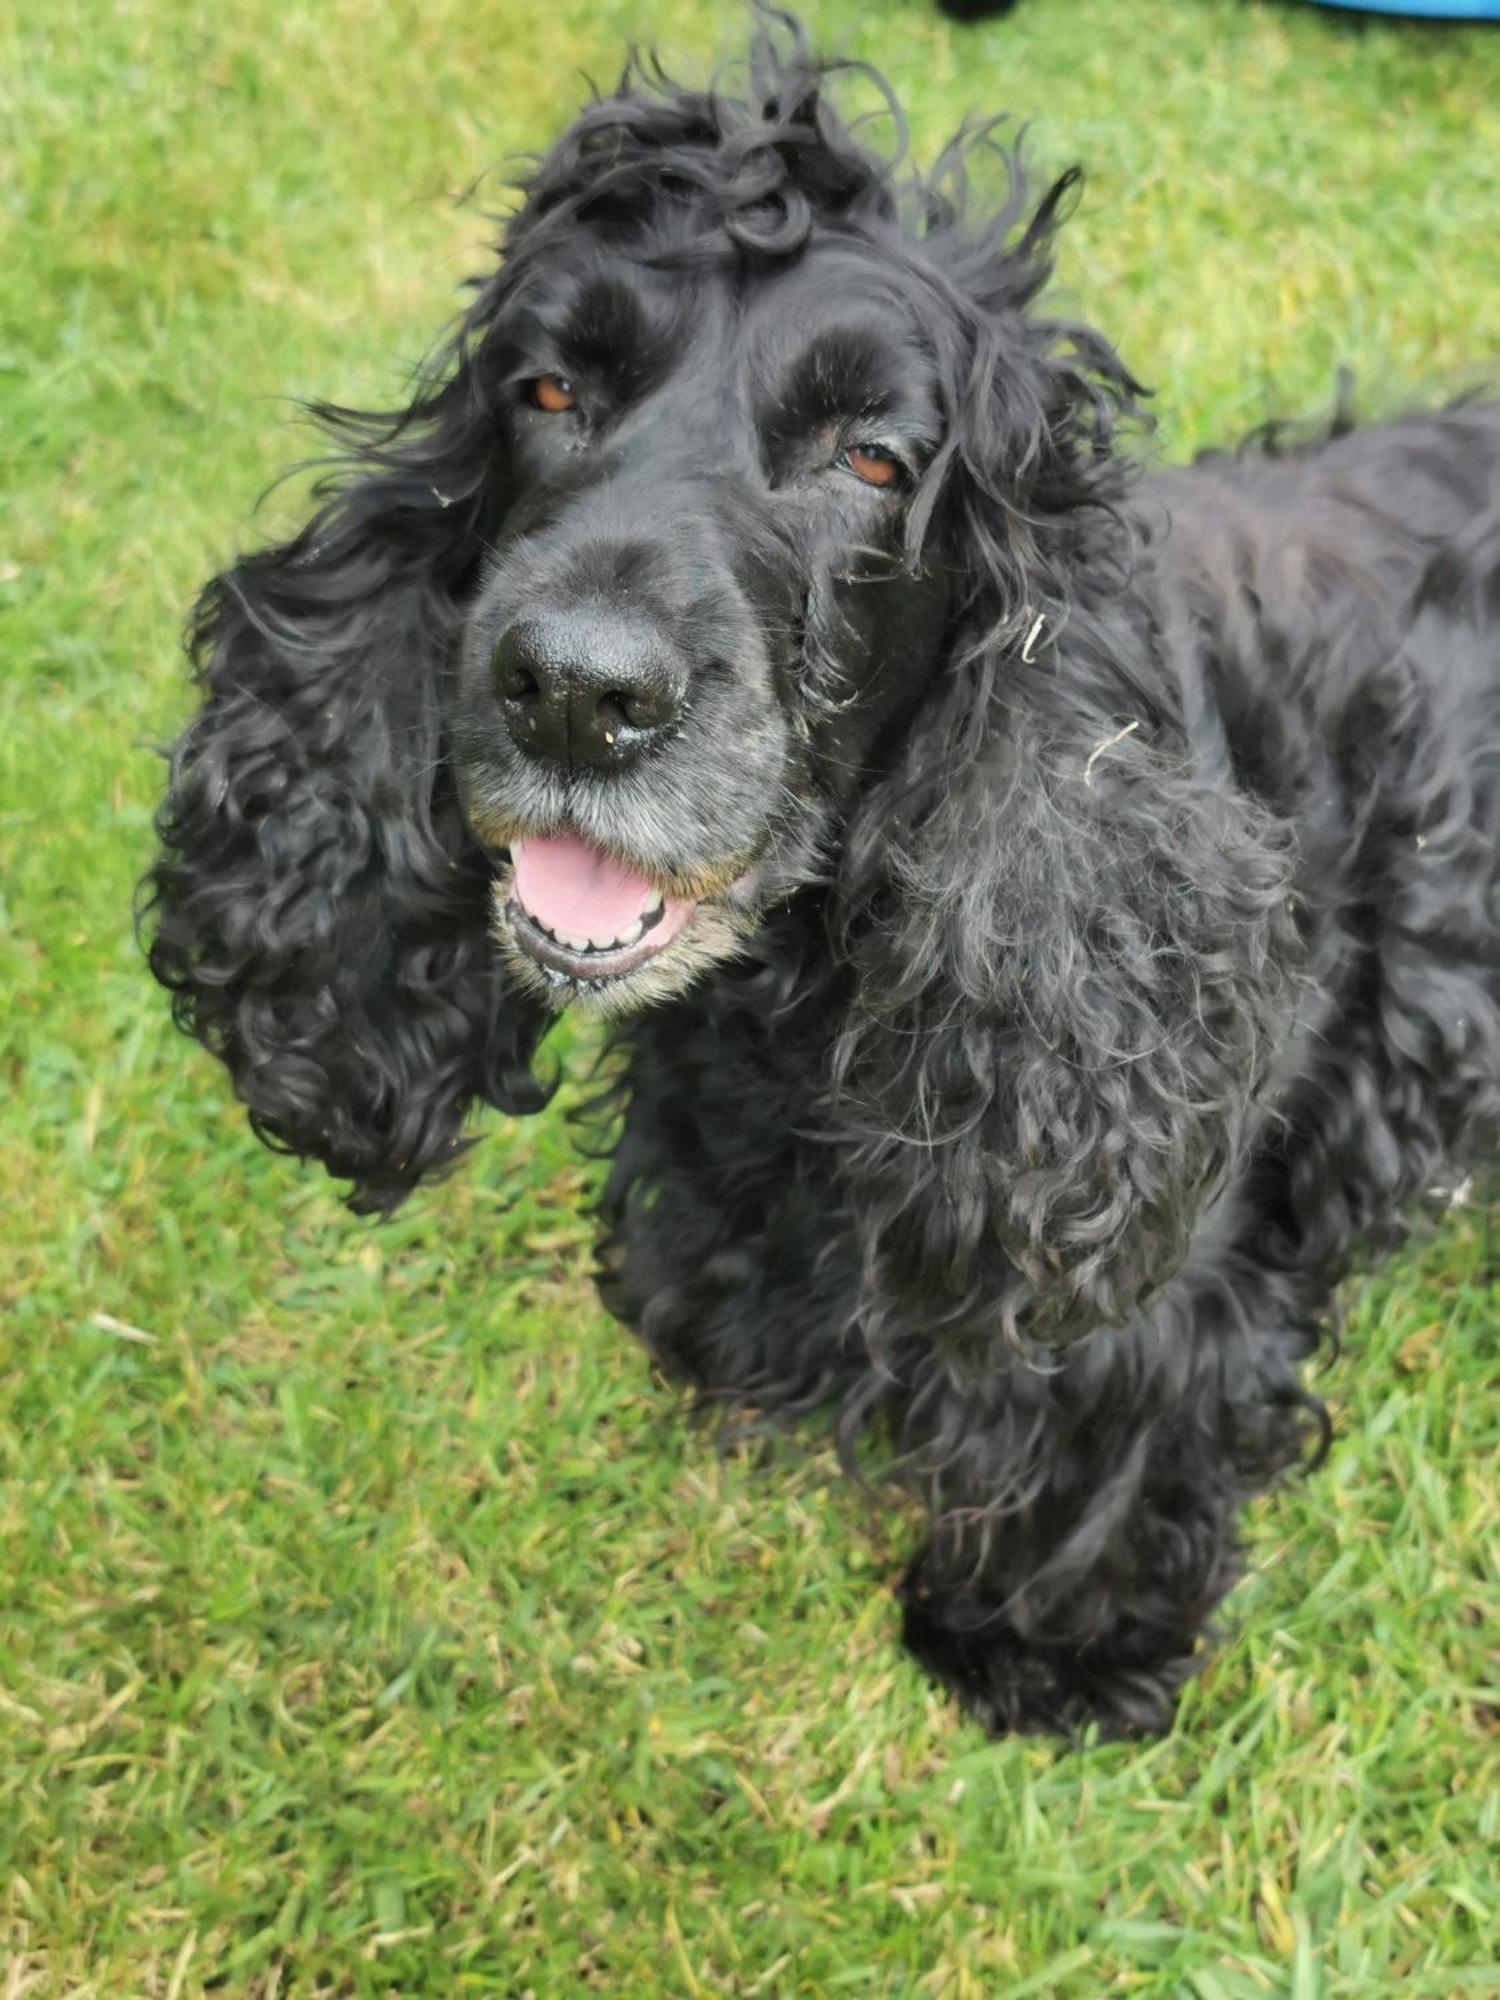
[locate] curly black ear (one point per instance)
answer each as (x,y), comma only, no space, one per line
(1073,943)
(1076,962)
(318,907)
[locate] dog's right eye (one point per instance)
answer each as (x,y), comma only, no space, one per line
(553,393)
(873,465)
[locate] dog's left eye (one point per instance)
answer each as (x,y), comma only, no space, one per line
(553,393)
(869,463)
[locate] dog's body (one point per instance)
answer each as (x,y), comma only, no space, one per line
(1067,902)
(1086,1511)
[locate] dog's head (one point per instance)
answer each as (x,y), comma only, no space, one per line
(743,391)
(703,612)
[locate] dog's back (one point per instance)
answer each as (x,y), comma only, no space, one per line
(1332,615)
(1333,547)
(1325,603)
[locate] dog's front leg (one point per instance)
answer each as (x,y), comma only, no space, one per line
(1085,1521)
(723,1245)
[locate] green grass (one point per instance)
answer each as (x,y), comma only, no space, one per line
(370,1621)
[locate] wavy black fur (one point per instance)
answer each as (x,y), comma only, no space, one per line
(1117,952)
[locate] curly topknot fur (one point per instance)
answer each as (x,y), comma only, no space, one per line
(1086,903)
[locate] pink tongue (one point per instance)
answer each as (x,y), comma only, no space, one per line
(573,888)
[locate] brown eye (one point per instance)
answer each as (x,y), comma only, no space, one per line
(874,466)
(553,393)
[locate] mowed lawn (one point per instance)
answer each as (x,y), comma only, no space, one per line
(370,1620)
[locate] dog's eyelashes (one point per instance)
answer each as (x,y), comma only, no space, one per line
(554,394)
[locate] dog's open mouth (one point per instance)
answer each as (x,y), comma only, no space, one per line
(579,912)
(577,923)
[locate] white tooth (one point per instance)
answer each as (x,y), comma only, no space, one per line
(635,930)
(572,943)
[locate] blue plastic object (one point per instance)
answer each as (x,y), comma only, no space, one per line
(1429,10)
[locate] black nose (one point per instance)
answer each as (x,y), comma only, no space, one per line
(588,686)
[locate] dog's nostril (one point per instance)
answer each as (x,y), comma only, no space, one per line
(515,682)
(613,711)
(652,705)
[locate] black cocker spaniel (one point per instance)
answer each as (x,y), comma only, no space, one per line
(1047,913)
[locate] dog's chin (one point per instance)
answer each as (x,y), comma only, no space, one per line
(660,957)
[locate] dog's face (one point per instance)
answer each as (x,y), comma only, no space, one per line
(702,619)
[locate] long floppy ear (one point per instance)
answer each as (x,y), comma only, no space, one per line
(318,907)
(1071,934)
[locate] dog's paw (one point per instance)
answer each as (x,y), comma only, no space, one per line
(1013,1686)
